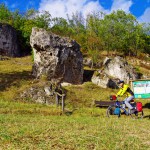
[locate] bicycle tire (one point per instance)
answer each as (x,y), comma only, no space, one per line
(110,111)
(137,115)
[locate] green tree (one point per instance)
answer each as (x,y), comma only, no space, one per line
(76,26)
(119,31)
(146,38)
(60,26)
(5,14)
(43,20)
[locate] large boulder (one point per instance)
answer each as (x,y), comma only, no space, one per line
(9,45)
(57,58)
(112,70)
(103,80)
(119,68)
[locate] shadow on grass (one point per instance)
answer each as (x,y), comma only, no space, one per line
(148,116)
(13,79)
(70,112)
(147,105)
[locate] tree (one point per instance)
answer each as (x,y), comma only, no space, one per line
(146,38)
(119,31)
(76,24)
(5,14)
(60,26)
(43,20)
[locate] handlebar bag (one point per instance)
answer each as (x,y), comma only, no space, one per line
(113,97)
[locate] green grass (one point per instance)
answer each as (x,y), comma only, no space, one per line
(25,125)
(85,95)
(73,132)
(15,75)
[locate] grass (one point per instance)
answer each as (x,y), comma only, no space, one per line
(15,75)
(30,126)
(84,95)
(72,133)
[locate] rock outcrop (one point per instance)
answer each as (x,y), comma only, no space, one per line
(38,95)
(103,80)
(87,62)
(45,93)
(119,68)
(56,57)
(9,45)
(112,70)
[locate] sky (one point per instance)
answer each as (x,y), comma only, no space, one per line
(60,8)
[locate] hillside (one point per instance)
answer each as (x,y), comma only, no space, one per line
(26,125)
(16,76)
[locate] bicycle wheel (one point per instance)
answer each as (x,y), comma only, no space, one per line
(141,114)
(137,115)
(110,111)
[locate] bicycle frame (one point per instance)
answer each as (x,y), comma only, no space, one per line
(119,104)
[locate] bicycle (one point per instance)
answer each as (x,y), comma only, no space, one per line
(117,108)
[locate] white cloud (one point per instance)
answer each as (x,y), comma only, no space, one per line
(60,8)
(122,5)
(93,7)
(145,17)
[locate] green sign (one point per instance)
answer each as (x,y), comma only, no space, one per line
(141,88)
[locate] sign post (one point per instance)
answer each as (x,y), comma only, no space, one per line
(141,88)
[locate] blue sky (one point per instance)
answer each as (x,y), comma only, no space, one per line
(59,8)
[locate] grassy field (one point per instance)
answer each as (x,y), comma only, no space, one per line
(82,127)
(37,131)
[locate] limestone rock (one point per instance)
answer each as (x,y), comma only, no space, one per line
(65,84)
(38,94)
(58,58)
(87,62)
(103,80)
(106,61)
(9,45)
(119,68)
(112,70)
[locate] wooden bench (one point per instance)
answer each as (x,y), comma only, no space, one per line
(104,103)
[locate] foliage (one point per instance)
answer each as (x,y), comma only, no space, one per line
(146,38)
(24,22)
(119,31)
(5,14)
